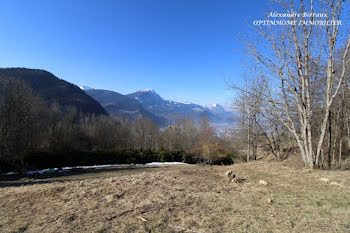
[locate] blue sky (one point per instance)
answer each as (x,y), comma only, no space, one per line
(182,49)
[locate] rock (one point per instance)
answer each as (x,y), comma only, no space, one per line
(109,198)
(263,182)
(143,219)
(230,175)
(326,180)
(334,183)
(269,201)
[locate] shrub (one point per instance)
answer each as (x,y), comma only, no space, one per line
(45,159)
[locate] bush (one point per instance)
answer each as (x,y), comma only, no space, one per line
(227,159)
(214,154)
(9,165)
(45,159)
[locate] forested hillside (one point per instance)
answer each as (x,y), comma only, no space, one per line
(54,90)
(47,122)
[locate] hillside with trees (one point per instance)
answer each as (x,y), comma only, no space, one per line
(36,131)
(53,90)
(296,89)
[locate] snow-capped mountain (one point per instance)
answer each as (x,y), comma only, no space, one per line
(149,103)
(171,110)
(221,112)
(119,105)
(217,108)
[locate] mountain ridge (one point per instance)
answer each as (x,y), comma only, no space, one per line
(53,89)
(157,108)
(119,105)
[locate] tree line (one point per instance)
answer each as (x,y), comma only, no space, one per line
(31,128)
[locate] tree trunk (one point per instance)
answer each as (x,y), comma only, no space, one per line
(340,150)
(330,139)
(248,154)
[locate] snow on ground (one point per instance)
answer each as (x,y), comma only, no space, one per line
(64,169)
(164,163)
(96,166)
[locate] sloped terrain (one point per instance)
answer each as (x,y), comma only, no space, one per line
(180,199)
(119,105)
(54,90)
(160,107)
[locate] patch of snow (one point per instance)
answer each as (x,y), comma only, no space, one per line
(85,88)
(165,163)
(9,173)
(65,169)
(129,112)
(96,166)
(198,109)
(211,106)
(41,171)
(184,102)
(218,107)
(147,90)
(136,98)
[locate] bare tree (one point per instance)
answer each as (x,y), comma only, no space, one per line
(205,137)
(145,134)
(20,113)
(188,133)
(293,59)
(257,122)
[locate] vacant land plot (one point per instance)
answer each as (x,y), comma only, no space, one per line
(180,199)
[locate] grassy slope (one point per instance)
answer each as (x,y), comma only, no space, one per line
(181,199)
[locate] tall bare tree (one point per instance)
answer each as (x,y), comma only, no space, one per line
(20,113)
(293,60)
(205,137)
(145,134)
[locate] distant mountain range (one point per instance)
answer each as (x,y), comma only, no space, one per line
(87,100)
(54,90)
(150,104)
(119,105)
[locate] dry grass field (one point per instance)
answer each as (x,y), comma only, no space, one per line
(186,198)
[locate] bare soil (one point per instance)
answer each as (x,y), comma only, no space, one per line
(186,198)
